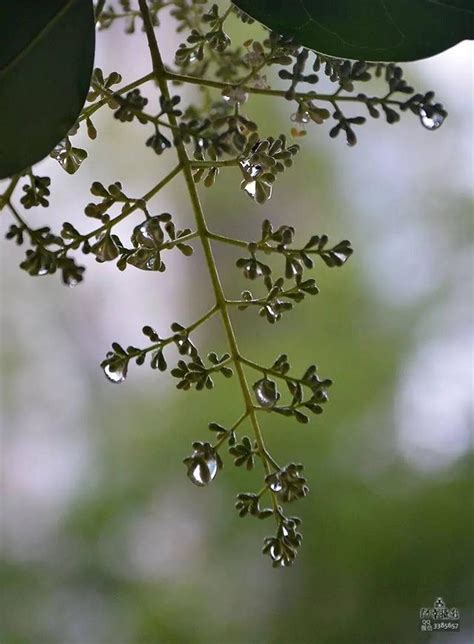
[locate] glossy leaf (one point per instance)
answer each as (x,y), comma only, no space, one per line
(371,30)
(46,60)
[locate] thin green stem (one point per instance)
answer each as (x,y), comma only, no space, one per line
(123,215)
(261,492)
(161,78)
(181,240)
(239,421)
(242,83)
(189,329)
(232,429)
(201,320)
(311,95)
(148,117)
(246,302)
(125,14)
(223,439)
(266,370)
(228,240)
(88,111)
(226,14)
(263,246)
(270,460)
(20,219)
(129,209)
(98,9)
(6,196)
(214,164)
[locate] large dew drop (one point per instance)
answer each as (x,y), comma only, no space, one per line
(251,189)
(431,119)
(105,249)
(203,472)
(274,483)
(275,553)
(342,257)
(260,191)
(278,556)
(71,282)
(271,312)
(253,271)
(149,234)
(301,117)
(250,169)
(203,464)
(266,392)
(115,374)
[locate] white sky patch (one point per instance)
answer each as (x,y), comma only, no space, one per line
(435,406)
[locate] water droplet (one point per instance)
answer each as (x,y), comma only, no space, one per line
(278,556)
(292,269)
(300,117)
(251,189)
(252,170)
(342,257)
(275,553)
(212,467)
(185,346)
(116,373)
(253,271)
(266,392)
(105,249)
(259,192)
(272,312)
(431,118)
(234,96)
(146,260)
(274,482)
(199,474)
(148,234)
(150,263)
(143,233)
(42,271)
(203,464)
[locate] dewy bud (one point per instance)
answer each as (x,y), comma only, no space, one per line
(266,392)
(203,464)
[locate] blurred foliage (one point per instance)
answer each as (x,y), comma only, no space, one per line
(380,542)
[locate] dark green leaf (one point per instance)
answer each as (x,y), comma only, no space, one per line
(375,30)
(46,59)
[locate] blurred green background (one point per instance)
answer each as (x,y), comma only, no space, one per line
(104,538)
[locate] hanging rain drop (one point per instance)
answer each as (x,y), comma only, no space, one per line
(431,118)
(274,482)
(266,392)
(235,96)
(203,464)
(251,169)
(115,373)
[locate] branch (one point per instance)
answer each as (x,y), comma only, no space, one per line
(161,78)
